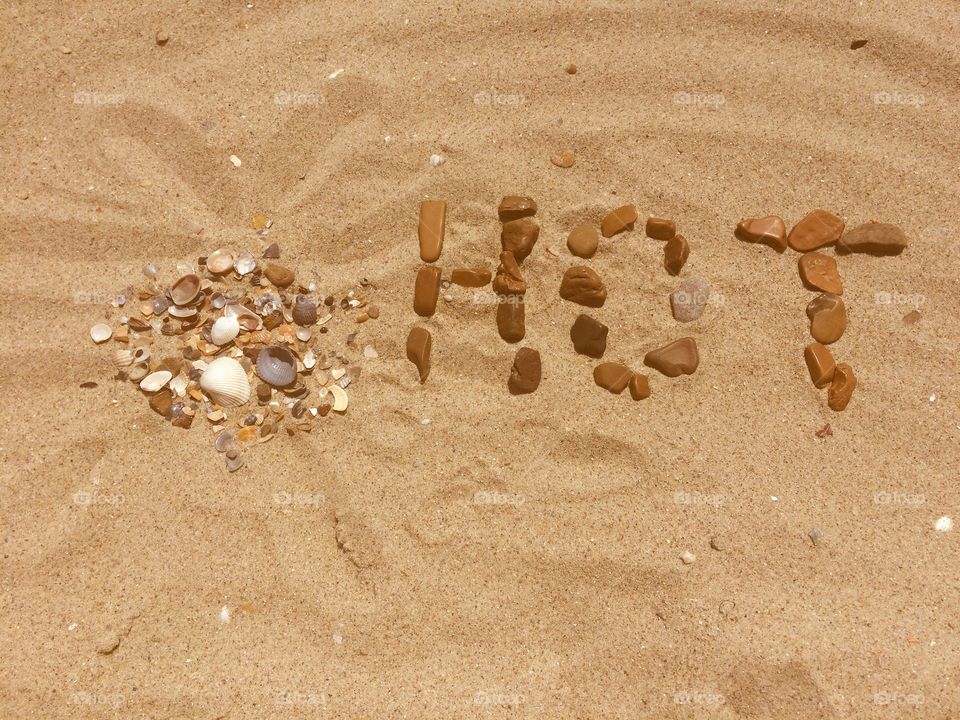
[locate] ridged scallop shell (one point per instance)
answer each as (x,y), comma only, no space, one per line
(185,290)
(304,311)
(122,358)
(225,330)
(226,382)
(155,380)
(220,261)
(276,366)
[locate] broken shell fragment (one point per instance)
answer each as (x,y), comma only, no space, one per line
(248,319)
(226,382)
(276,366)
(101,332)
(185,290)
(340,400)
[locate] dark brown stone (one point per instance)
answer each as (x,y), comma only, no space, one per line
(818,229)
(675,254)
(661,228)
(583,286)
(419,345)
(525,373)
(677,358)
(426,291)
(508,280)
(511,318)
(514,207)
(589,336)
(519,237)
(873,238)
(612,376)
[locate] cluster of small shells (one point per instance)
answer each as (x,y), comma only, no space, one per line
(238,333)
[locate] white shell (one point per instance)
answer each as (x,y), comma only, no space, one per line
(219,261)
(182,312)
(339,398)
(226,382)
(155,380)
(137,372)
(309,359)
(225,329)
(248,320)
(122,358)
(179,386)
(101,332)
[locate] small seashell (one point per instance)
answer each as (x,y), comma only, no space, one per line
(304,311)
(185,290)
(245,264)
(101,332)
(225,329)
(276,366)
(224,441)
(304,334)
(226,382)
(183,312)
(155,381)
(146,308)
(248,319)
(122,358)
(338,373)
(340,400)
(141,355)
(179,386)
(151,271)
(220,261)
(137,372)
(309,359)
(370,352)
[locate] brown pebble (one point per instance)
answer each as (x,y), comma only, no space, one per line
(564,159)
(162,37)
(583,241)
(639,387)
(373,311)
(912,317)
(612,376)
(161,402)
(873,238)
(264,392)
(661,228)
(819,272)
(279,275)
(511,318)
(419,345)
(514,207)
(675,254)
(857,44)
(325,409)
(618,221)
(508,280)
(589,336)
(272,252)
(678,358)
(519,237)
(471,277)
(769,230)
(828,318)
(426,291)
(571,69)
(525,373)
(818,229)
(820,364)
(433,219)
(583,286)
(842,387)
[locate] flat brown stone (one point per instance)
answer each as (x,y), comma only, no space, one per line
(419,345)
(818,229)
(619,220)
(675,254)
(511,318)
(426,290)
(583,286)
(279,275)
(873,238)
(828,318)
(583,241)
(508,280)
(820,364)
(612,376)
(842,387)
(678,358)
(525,373)
(161,402)
(820,272)
(769,230)
(514,207)
(661,228)
(471,277)
(639,387)
(589,336)
(519,237)
(433,220)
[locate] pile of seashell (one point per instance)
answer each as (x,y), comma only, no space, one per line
(230,333)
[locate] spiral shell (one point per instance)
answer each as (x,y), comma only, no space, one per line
(276,366)
(304,311)
(226,382)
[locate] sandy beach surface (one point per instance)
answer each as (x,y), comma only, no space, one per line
(448,550)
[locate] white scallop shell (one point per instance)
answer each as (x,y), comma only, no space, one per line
(122,358)
(226,382)
(101,332)
(155,380)
(225,329)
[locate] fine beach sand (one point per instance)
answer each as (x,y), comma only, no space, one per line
(386,589)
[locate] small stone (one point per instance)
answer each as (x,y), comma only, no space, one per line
(769,230)
(264,392)
(426,291)
(272,252)
(825,431)
(436,160)
(519,237)
(841,387)
(873,238)
(857,44)
(370,352)
(943,524)
(816,536)
(508,280)
(612,376)
(717,543)
(511,318)
(688,557)
(583,286)
(675,254)
(471,277)
(828,318)
(235,161)
(570,69)
(583,241)
(259,222)
(373,311)
(818,229)
(589,336)
(279,275)
(161,403)
(639,387)
(689,300)
(912,317)
(564,159)
(820,364)
(430,231)
(419,345)
(819,272)
(525,373)
(678,358)
(514,207)
(660,228)
(618,221)
(65,50)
